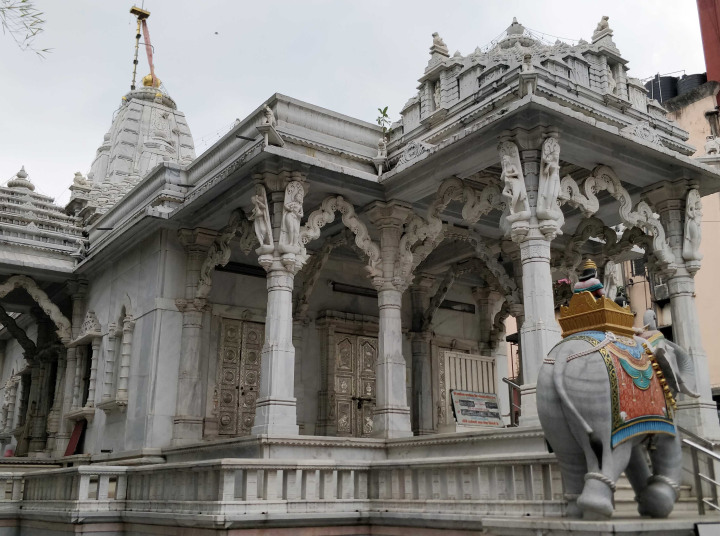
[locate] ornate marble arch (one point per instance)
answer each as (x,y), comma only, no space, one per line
(326,214)
(314,267)
(219,253)
(631,237)
(476,203)
(62,324)
(588,228)
(25,342)
(604,178)
(503,283)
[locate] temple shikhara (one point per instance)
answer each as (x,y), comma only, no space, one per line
(305,325)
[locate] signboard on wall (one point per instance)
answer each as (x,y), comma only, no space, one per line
(476,409)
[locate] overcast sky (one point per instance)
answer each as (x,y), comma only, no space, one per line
(221,59)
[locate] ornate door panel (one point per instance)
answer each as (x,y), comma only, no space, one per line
(354,387)
(238,375)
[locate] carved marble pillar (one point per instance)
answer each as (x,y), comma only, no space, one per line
(530,161)
(12,398)
(188,420)
(128,328)
(35,417)
(53,420)
(392,414)
(77,291)
(670,200)
(92,382)
(485,301)
(81,356)
(275,411)
(24,399)
(422,392)
(281,254)
(40,384)
(298,337)
(110,358)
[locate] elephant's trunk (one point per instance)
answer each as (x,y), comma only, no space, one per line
(686,370)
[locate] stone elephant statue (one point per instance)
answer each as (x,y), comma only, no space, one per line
(602,401)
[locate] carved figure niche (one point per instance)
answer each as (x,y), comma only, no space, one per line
(349,354)
(238,375)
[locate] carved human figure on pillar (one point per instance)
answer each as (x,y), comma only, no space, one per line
(260,217)
(514,186)
(292,214)
(693,234)
(548,211)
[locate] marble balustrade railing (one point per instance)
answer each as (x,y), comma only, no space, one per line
(470,485)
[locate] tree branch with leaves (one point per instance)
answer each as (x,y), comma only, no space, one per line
(23,22)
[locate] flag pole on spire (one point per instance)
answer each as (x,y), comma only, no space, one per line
(142,16)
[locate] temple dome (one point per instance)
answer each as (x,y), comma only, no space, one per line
(147,130)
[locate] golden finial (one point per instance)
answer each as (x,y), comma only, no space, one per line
(589,264)
(148,81)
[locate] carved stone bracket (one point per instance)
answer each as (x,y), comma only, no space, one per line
(326,214)
(498,329)
(604,178)
(219,252)
(443,288)
(62,324)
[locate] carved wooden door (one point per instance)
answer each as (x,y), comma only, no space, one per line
(239,375)
(355,359)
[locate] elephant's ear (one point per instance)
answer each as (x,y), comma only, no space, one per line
(668,364)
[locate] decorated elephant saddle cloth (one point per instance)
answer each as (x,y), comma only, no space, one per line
(638,401)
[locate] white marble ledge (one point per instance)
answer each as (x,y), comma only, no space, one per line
(87,413)
(534,526)
(111,406)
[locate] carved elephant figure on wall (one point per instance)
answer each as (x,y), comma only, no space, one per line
(605,403)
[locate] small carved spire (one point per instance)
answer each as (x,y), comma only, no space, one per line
(20,180)
(515,28)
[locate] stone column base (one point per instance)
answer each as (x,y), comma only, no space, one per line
(275,416)
(391,422)
(528,405)
(187,429)
(699,417)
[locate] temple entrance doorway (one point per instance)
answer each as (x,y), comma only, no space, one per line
(238,375)
(349,355)
(355,359)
